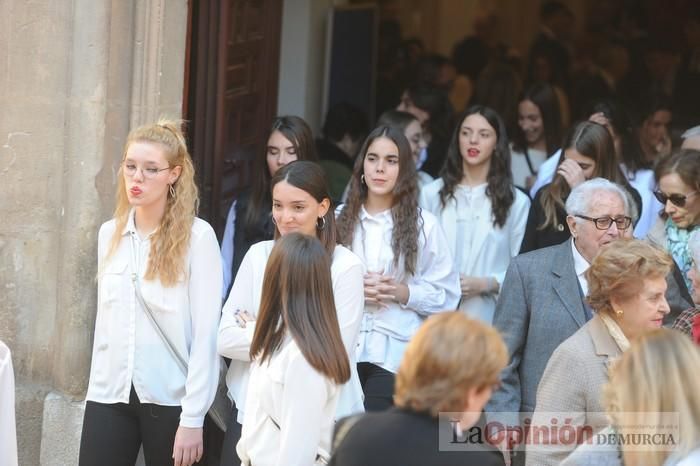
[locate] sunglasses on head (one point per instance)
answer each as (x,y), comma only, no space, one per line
(678,200)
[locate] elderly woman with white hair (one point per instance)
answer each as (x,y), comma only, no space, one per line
(688,321)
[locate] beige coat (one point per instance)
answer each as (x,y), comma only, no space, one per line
(572,385)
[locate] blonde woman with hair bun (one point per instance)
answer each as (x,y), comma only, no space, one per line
(155,248)
(658,374)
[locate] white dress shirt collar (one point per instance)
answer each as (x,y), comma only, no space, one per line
(130,227)
(382,216)
(580,267)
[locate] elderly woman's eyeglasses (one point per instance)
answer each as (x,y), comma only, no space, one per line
(678,200)
(603,223)
(149,173)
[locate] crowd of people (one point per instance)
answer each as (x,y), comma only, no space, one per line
(493,270)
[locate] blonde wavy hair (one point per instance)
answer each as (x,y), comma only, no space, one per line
(658,374)
(448,356)
(620,268)
(169,244)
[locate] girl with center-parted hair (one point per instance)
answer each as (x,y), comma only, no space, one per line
(298,359)
(538,134)
(300,203)
(248,220)
(410,125)
(410,273)
(481,212)
(588,152)
(154,257)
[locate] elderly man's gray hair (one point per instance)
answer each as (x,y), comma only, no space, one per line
(579,201)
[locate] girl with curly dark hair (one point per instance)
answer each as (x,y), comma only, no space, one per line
(409,270)
(482,214)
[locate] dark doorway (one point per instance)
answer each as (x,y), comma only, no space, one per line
(231,94)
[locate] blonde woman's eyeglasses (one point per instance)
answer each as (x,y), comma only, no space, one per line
(148,173)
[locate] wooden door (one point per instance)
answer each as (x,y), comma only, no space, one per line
(232,94)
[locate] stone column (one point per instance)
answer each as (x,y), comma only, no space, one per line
(75,76)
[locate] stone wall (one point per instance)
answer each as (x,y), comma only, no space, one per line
(75,76)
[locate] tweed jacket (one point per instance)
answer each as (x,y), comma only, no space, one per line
(572,383)
(540,306)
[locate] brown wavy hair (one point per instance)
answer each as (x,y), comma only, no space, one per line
(297,297)
(594,141)
(171,241)
(404,212)
(499,179)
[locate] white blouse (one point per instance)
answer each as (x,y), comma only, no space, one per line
(288,392)
(644,182)
(8,429)
(127,350)
(519,167)
(433,288)
(480,248)
(347,273)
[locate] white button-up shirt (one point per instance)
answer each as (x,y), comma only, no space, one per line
(480,248)
(347,273)
(580,267)
(127,350)
(433,288)
(8,431)
(288,392)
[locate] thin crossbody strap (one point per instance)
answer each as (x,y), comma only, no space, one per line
(181,362)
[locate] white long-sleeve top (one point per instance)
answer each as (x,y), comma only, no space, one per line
(434,287)
(127,350)
(480,249)
(227,249)
(8,430)
(644,182)
(288,392)
(347,273)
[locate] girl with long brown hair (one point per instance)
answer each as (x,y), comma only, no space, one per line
(300,204)
(298,359)
(482,213)
(248,220)
(158,268)
(410,272)
(588,152)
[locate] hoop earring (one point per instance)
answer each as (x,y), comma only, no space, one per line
(171,190)
(362,179)
(323,223)
(619,312)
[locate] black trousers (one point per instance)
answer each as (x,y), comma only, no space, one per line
(377,385)
(229,456)
(113,433)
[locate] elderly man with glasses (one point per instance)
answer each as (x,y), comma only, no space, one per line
(542,302)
